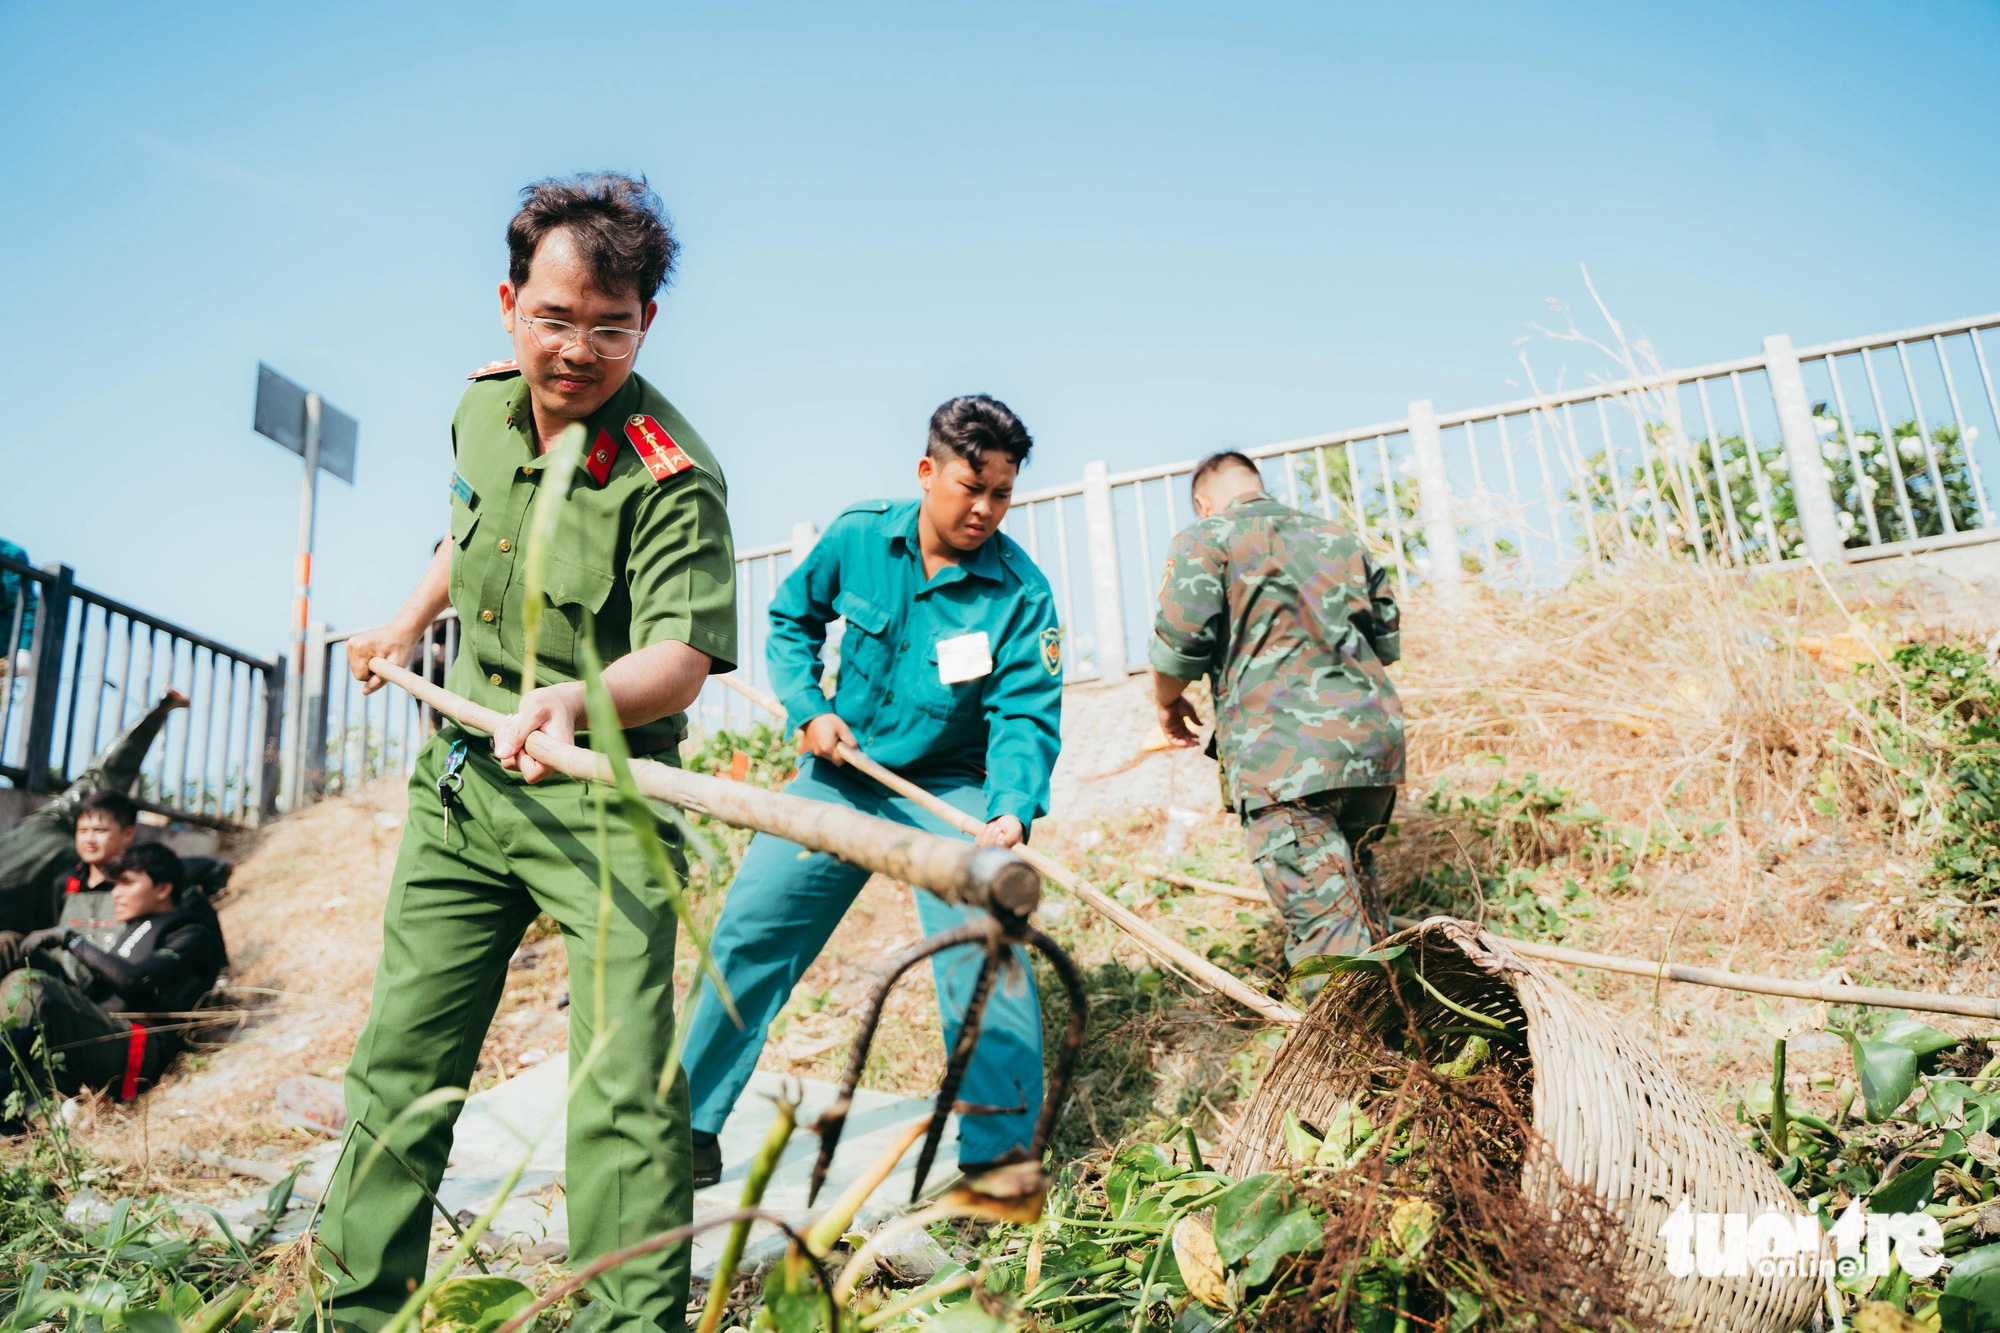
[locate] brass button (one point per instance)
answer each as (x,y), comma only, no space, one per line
(506,545)
(486,616)
(494,679)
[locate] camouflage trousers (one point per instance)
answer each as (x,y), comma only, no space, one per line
(1315,855)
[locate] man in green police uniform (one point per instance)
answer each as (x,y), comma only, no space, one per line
(642,558)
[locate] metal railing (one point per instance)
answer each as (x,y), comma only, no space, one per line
(1842,451)
(352,739)
(81,667)
(1755,461)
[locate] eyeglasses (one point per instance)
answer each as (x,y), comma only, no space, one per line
(607,340)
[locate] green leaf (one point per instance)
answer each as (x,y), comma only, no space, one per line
(468,1304)
(1247,1213)
(967,1318)
(1465,1309)
(1327,963)
(1971,1299)
(1911,1189)
(592,1317)
(1297,1230)
(1941,1101)
(1919,1037)
(151,1321)
(1887,1072)
(792,1297)
(1300,1142)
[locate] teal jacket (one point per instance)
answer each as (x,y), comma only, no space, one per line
(1002,728)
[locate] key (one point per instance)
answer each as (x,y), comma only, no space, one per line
(449,782)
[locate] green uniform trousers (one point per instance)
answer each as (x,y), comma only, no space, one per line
(458,905)
(1313,855)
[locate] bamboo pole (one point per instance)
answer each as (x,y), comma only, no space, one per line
(1168,951)
(986,877)
(1877,997)
(1205,885)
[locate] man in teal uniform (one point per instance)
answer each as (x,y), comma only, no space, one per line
(642,561)
(951,674)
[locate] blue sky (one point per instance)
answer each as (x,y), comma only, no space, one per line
(1153,229)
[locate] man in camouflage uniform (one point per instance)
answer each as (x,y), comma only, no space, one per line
(1294,627)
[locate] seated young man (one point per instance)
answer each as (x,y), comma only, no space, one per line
(80,896)
(112,1015)
(42,844)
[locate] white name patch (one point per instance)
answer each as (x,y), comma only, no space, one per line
(966,657)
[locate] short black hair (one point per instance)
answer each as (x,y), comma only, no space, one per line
(155,860)
(967,426)
(1224,460)
(620,226)
(123,810)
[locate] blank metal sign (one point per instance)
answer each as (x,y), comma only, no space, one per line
(281,417)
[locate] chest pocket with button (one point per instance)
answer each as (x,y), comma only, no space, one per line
(571,589)
(864,646)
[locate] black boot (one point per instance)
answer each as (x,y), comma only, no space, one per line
(707,1160)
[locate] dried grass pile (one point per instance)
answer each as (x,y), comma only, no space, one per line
(1686,764)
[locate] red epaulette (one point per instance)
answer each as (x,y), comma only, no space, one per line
(495,369)
(74,885)
(657,450)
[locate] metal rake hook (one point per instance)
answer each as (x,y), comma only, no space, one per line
(997,936)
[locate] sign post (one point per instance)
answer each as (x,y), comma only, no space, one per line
(325,438)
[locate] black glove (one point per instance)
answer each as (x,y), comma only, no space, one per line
(52,937)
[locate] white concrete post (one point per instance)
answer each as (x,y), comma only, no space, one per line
(1434,502)
(804,536)
(1811,490)
(1106,597)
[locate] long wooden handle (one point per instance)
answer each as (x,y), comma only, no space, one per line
(1205,885)
(1168,951)
(984,877)
(1877,997)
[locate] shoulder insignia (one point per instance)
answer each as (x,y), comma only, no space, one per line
(657,450)
(1052,650)
(494,369)
(598,462)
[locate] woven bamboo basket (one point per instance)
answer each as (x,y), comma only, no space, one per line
(1607,1115)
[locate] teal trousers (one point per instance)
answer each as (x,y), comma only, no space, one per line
(782,908)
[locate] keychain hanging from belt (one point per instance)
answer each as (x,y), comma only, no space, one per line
(449,782)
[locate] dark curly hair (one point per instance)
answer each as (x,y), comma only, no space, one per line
(967,426)
(620,226)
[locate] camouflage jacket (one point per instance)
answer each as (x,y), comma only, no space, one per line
(1293,625)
